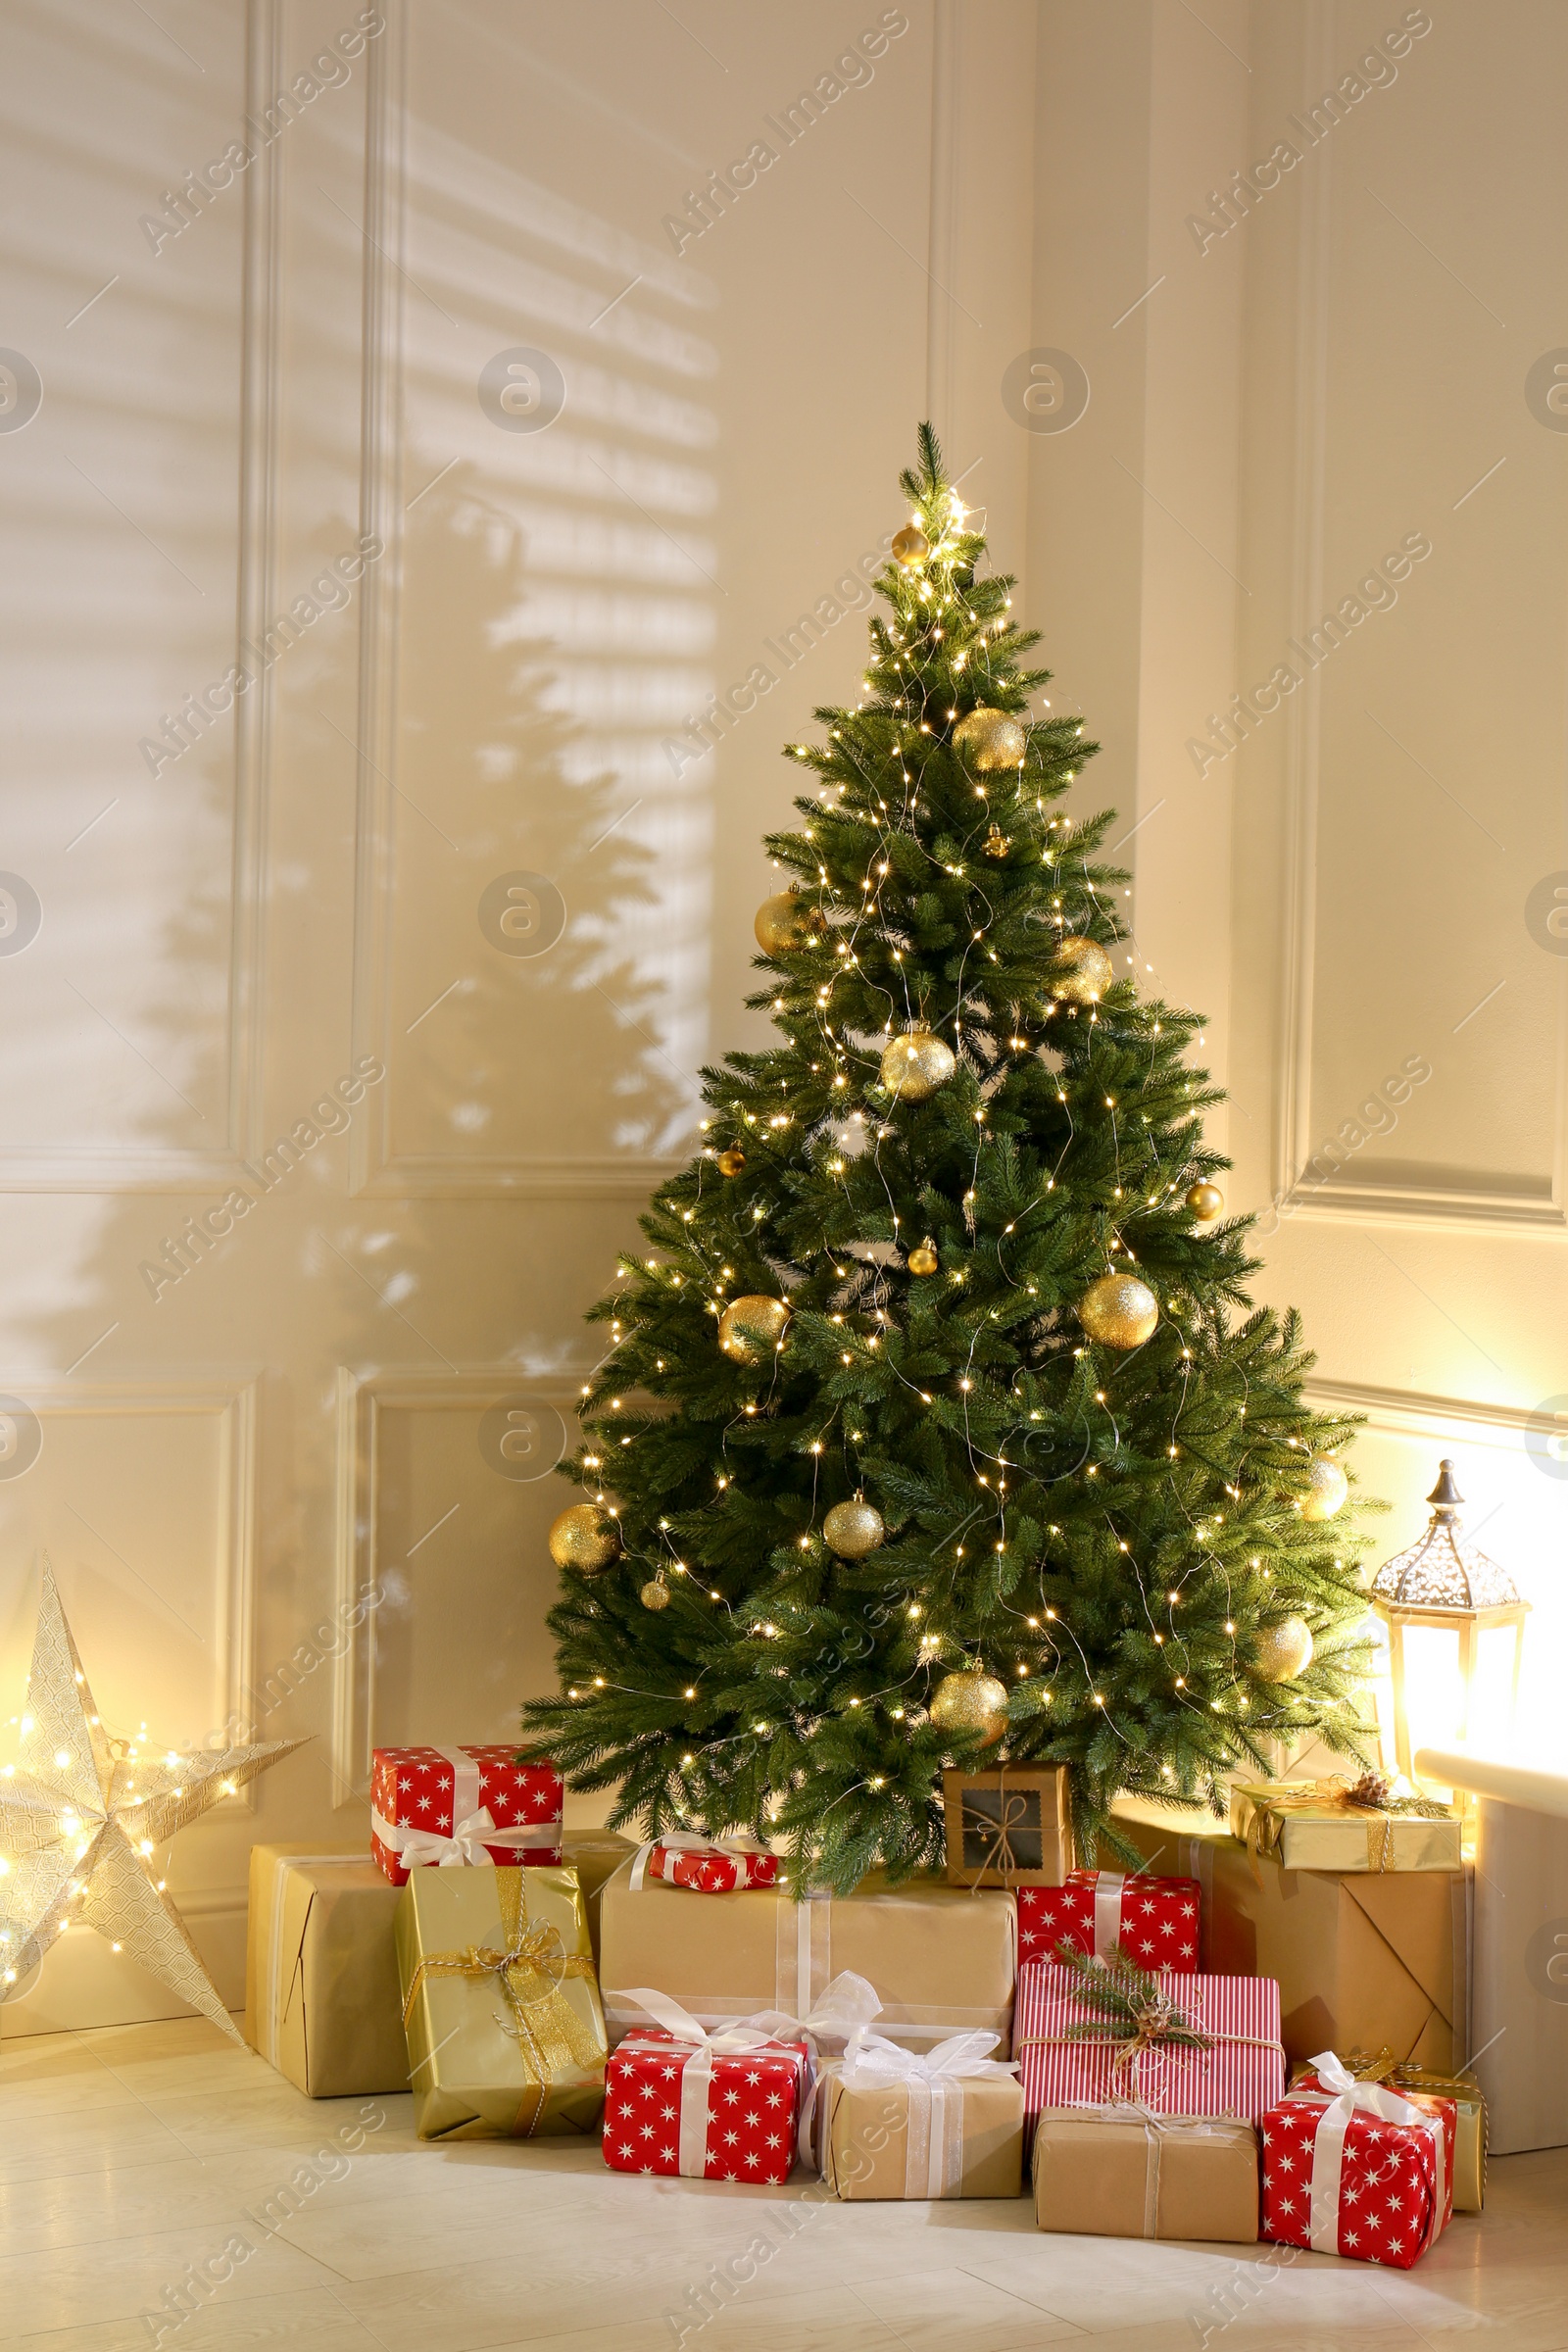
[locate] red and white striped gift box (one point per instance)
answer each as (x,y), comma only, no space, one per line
(448,1805)
(1241,2073)
(1153,1920)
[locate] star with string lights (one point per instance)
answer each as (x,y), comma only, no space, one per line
(82,1815)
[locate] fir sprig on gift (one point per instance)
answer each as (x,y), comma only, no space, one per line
(1132,2010)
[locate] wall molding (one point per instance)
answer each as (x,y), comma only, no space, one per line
(363,1398)
(1414,1414)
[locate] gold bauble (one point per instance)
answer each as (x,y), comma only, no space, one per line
(731,1162)
(972,1703)
(1118,1311)
(1326,1490)
(752,1327)
(915,1064)
(785,923)
(996,842)
(911,546)
(1206,1203)
(989,739)
(923,1258)
(584,1538)
(1282,1653)
(655,1595)
(1083,974)
(854,1529)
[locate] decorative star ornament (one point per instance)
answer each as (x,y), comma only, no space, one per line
(80,1815)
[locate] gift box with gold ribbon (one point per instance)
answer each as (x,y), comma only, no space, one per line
(1009,1827)
(1340,1824)
(500,2005)
(1422,2086)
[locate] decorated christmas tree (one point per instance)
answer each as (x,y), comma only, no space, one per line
(937,1427)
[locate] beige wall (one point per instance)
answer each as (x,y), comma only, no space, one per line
(319,1404)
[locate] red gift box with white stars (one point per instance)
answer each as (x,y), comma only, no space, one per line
(438,1804)
(705,1868)
(1154,1920)
(711,2114)
(1373,2183)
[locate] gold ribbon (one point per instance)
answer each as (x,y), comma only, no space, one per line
(1379,1808)
(530,1971)
(1013,1809)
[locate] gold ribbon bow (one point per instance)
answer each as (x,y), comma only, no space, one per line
(530,1972)
(1370,1796)
(1012,1811)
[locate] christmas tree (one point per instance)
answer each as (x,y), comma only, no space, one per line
(937,1427)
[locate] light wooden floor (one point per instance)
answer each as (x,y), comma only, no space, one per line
(131,2155)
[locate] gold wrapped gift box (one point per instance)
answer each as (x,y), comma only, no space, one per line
(941,1960)
(506,2036)
(1362,1958)
(891,2139)
(1311,1824)
(1105,2171)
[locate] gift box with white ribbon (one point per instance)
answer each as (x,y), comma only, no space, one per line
(918,2124)
(704,1865)
(441,1806)
(1353,2169)
(1155,1921)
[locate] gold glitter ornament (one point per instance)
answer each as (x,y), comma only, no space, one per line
(584,1538)
(923,1258)
(917,1063)
(989,739)
(655,1595)
(967,1702)
(854,1529)
(731,1162)
(911,546)
(1118,1311)
(1083,974)
(1206,1203)
(996,842)
(1282,1653)
(785,923)
(1326,1490)
(751,1328)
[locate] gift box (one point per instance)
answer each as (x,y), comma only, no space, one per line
(321,1996)
(1155,1921)
(720,2106)
(1362,1958)
(595,1855)
(898,2122)
(941,1960)
(1338,1824)
(1007,1828)
(704,1865)
(1356,2170)
(461,1805)
(506,2036)
(1118,2172)
(1420,2087)
(1185,2045)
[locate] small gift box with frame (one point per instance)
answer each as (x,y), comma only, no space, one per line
(1007,1828)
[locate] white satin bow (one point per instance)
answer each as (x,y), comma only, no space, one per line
(465,1842)
(932,2082)
(871,2058)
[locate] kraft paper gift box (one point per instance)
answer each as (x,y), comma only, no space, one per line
(1155,1921)
(1422,2089)
(1362,1958)
(941,1960)
(506,2036)
(1310,1825)
(1115,2172)
(1009,1827)
(1358,2170)
(901,2124)
(1241,2072)
(595,1855)
(322,1997)
(454,1805)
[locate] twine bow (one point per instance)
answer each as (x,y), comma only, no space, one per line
(530,1972)
(1157,2129)
(996,1830)
(1371,1796)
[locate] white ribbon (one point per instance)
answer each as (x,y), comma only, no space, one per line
(465,1842)
(1351,2097)
(1108,1885)
(691,1842)
(932,2148)
(848,2004)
